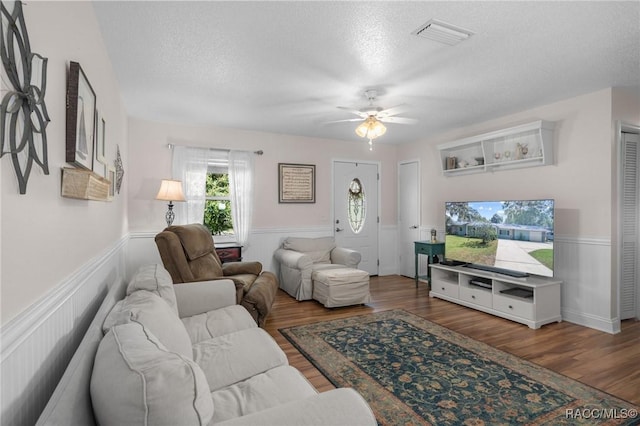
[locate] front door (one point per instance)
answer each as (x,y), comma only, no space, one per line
(355,201)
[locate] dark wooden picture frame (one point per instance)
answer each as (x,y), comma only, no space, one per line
(81,118)
(296,183)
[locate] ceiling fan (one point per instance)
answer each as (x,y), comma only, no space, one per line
(373,116)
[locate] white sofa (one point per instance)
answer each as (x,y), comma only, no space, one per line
(188,355)
(299,257)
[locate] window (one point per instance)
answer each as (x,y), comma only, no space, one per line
(217,208)
(356,205)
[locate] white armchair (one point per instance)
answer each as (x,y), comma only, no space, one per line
(299,257)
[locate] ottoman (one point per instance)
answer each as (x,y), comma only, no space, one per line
(340,287)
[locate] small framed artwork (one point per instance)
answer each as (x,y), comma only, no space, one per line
(296,183)
(100,165)
(111,175)
(81,118)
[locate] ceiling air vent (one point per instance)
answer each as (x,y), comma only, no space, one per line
(442,32)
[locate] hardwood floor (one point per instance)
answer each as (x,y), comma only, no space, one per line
(608,362)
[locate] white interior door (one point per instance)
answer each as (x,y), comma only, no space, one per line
(408,215)
(355,201)
(630,214)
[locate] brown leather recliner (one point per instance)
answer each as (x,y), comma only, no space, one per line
(188,253)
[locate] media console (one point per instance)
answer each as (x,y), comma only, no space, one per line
(531,300)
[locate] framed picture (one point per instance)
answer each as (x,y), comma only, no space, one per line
(111,175)
(100,165)
(296,183)
(81,118)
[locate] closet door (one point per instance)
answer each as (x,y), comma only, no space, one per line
(629,216)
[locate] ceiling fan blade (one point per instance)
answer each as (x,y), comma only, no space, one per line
(343,121)
(355,111)
(398,120)
(392,111)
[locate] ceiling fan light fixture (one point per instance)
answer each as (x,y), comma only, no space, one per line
(371,128)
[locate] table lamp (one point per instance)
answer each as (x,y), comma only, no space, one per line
(170,190)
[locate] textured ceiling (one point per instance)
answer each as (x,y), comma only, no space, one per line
(284,67)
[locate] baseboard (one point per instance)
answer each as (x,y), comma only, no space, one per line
(611,326)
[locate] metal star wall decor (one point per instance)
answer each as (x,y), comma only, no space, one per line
(23,113)
(119,169)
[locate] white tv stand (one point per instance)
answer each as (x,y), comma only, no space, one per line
(533,300)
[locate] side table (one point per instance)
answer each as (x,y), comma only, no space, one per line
(229,253)
(430,250)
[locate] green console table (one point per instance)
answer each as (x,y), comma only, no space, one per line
(429,249)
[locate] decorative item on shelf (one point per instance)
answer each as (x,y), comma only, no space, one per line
(520,151)
(23,113)
(434,236)
(462,164)
(170,190)
(497,156)
(480,161)
(451,163)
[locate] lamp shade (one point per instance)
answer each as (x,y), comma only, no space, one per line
(370,128)
(170,190)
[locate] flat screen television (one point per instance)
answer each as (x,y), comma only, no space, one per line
(513,237)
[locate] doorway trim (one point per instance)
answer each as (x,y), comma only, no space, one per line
(398,206)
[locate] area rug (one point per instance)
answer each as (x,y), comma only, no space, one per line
(414,372)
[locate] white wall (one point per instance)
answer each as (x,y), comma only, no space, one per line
(58,254)
(272,221)
(580,182)
(41,228)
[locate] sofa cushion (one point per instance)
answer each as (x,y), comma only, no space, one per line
(263,391)
(318,249)
(217,323)
(235,357)
(136,380)
(155,314)
(156,279)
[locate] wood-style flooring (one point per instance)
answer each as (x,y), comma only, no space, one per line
(607,362)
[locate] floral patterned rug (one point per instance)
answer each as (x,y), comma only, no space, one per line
(414,372)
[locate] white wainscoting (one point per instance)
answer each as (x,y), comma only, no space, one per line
(263,243)
(584,266)
(38,344)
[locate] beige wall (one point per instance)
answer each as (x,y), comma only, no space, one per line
(152,162)
(580,180)
(45,237)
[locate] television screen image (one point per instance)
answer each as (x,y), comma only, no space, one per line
(512,237)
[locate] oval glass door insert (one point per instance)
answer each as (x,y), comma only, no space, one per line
(356,205)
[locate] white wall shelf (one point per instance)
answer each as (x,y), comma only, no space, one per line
(533,300)
(526,145)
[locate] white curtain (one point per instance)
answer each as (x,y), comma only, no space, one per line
(190,166)
(241,189)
